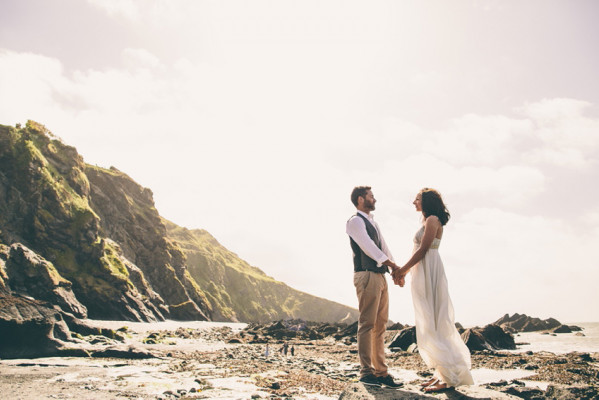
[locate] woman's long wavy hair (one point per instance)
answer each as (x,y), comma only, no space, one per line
(432,204)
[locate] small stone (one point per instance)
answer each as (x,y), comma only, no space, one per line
(498,384)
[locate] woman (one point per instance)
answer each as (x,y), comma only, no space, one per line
(439,342)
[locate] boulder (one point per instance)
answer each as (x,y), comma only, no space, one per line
(31,328)
(31,275)
(122,351)
(562,329)
(475,340)
(524,323)
(490,337)
(575,328)
(404,338)
(350,331)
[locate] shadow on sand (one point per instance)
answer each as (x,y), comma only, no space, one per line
(358,391)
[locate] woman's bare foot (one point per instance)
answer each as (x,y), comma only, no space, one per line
(437,388)
(428,383)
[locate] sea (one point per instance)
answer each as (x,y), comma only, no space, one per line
(586,341)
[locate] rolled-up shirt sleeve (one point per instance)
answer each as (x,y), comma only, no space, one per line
(356,229)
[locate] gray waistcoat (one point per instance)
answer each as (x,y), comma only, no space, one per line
(361,261)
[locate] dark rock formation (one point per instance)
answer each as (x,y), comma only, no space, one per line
(32,275)
(490,337)
(524,323)
(122,351)
(31,328)
(349,332)
(562,329)
(403,339)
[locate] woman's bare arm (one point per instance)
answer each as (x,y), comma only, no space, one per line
(431,226)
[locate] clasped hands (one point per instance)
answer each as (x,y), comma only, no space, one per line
(398,275)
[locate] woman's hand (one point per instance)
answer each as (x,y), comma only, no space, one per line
(399,277)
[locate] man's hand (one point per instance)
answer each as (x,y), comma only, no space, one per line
(399,277)
(396,273)
(399,280)
(402,281)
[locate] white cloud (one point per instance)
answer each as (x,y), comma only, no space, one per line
(564,157)
(550,111)
(568,137)
(479,140)
(129,9)
(259,119)
(140,59)
(29,83)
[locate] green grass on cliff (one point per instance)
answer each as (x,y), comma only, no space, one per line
(199,240)
(45,165)
(237,290)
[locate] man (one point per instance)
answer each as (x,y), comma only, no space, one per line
(372,259)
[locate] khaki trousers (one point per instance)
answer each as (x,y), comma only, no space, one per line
(373,304)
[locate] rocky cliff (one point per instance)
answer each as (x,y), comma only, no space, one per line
(90,241)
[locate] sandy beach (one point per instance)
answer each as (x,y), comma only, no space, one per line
(196,361)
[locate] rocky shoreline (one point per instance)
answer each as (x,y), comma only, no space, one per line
(230,362)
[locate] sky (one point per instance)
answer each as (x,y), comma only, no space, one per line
(255,119)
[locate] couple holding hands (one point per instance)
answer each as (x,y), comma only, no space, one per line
(439,342)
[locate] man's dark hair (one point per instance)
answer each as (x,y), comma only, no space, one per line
(357,192)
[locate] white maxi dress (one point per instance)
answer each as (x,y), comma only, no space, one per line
(439,342)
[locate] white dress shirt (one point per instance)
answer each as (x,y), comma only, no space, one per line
(356,229)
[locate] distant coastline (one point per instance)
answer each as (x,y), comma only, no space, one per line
(562,342)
